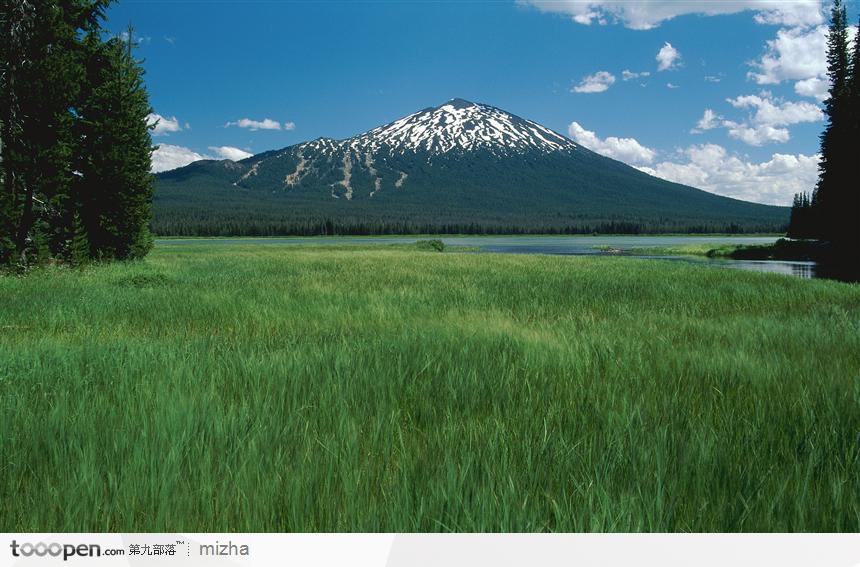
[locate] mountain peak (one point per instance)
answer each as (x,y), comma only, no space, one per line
(461,125)
(458,103)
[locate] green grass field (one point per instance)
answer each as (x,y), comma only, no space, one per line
(389,389)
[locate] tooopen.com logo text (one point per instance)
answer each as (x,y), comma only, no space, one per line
(64,550)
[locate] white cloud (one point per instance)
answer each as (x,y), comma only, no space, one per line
(229,152)
(775,112)
(769,118)
(757,135)
(168,157)
(713,78)
(628,75)
(289,125)
(668,57)
(766,122)
(624,149)
(596,83)
(795,54)
(264,124)
(708,121)
(712,168)
(647,14)
(672,86)
(163,124)
(814,87)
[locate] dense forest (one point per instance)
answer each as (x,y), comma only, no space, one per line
(75,143)
(459,192)
(831,212)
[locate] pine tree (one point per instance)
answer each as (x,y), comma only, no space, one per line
(17,20)
(802,223)
(851,221)
(44,91)
(41,68)
(835,165)
(116,188)
(794,222)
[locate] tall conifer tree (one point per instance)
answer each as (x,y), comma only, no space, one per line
(75,149)
(16,30)
(835,163)
(852,187)
(41,59)
(116,184)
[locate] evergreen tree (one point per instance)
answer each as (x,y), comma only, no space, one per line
(17,19)
(42,82)
(852,198)
(75,149)
(836,144)
(41,58)
(802,223)
(115,188)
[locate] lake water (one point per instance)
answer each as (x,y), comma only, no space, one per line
(565,245)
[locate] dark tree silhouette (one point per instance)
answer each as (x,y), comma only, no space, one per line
(833,212)
(832,166)
(74,143)
(115,188)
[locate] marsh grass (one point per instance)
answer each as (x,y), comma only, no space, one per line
(324,389)
(707,249)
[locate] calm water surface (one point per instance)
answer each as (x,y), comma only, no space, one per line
(566,245)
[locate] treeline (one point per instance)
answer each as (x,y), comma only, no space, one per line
(832,211)
(75,146)
(331,227)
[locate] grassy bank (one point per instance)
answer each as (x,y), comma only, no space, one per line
(782,249)
(289,388)
(705,249)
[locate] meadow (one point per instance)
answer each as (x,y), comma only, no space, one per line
(280,388)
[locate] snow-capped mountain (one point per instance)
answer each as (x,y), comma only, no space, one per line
(452,131)
(457,166)
(461,125)
(457,125)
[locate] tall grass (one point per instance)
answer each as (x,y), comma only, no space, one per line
(309,389)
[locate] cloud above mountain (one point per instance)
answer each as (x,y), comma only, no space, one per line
(229,152)
(264,124)
(169,156)
(713,168)
(767,120)
(624,149)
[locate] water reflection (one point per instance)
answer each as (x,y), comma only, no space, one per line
(797,269)
(840,272)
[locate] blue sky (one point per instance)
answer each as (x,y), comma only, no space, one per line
(632,80)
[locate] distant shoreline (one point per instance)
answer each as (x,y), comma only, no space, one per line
(463,235)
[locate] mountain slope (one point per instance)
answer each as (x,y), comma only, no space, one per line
(458,167)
